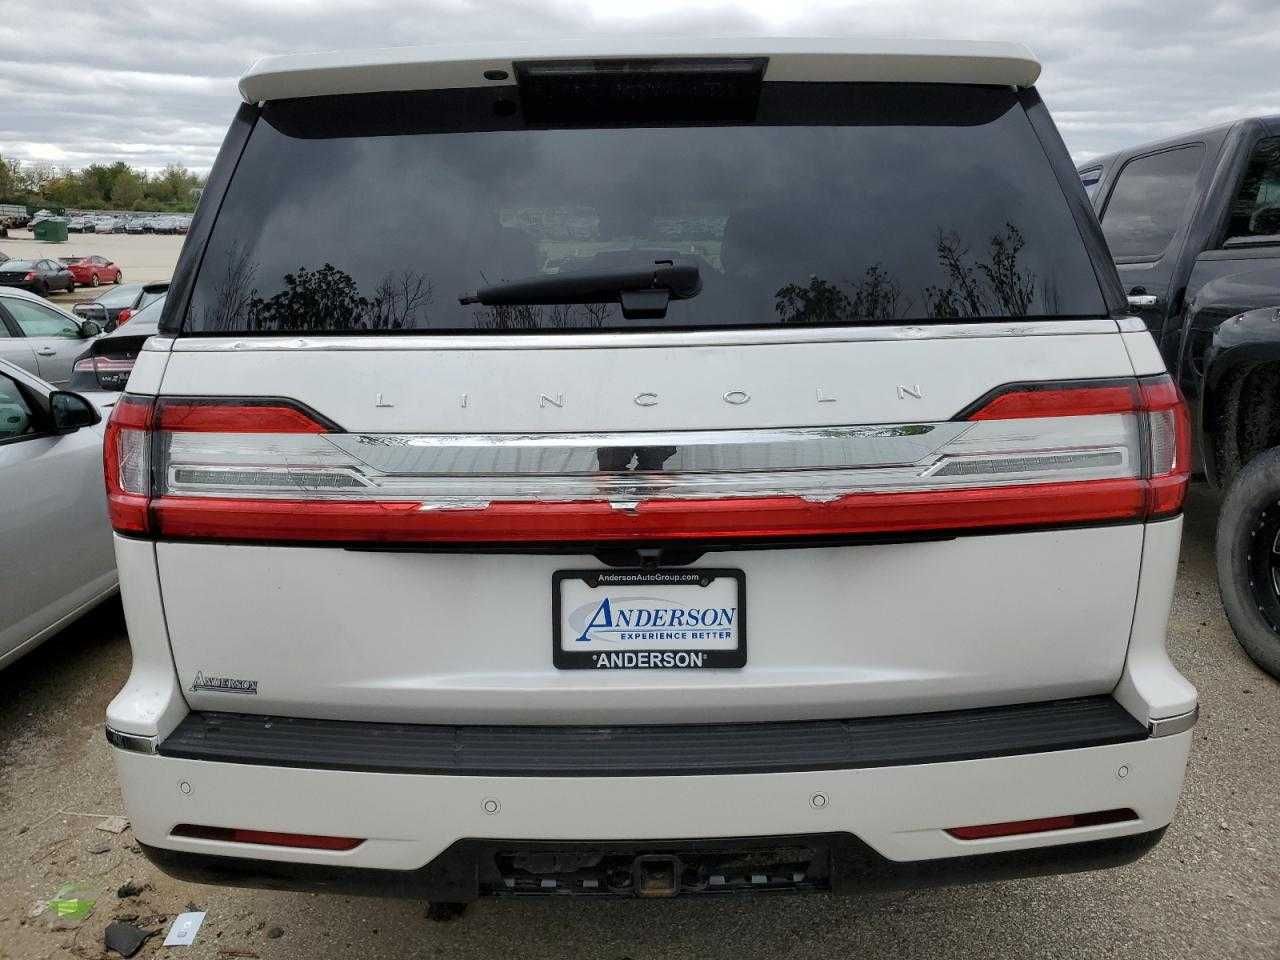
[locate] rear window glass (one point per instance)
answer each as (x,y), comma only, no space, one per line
(1255,210)
(1090,179)
(834,204)
(119,297)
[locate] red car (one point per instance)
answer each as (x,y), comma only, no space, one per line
(92,271)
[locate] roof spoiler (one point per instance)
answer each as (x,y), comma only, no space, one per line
(789,59)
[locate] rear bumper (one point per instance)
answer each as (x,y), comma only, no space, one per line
(890,821)
(897,801)
(472,868)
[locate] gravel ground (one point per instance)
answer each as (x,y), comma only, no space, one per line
(1210,890)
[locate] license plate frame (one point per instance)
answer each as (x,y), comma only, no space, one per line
(694,658)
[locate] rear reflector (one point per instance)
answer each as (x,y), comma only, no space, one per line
(1014,828)
(272,470)
(267,838)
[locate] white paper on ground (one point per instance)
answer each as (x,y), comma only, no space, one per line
(184,929)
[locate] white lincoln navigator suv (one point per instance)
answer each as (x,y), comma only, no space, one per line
(647,468)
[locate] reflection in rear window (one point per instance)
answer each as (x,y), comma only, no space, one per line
(839,204)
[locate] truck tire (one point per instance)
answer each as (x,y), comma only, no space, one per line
(1248,559)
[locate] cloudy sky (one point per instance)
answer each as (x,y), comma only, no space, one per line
(154,82)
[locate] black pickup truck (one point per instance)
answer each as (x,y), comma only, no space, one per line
(1194,226)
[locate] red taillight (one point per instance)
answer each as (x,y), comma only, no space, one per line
(126,463)
(123,317)
(266,469)
(127,445)
(1166,424)
(30,276)
(270,838)
(740,517)
(235,416)
(110,372)
(1014,828)
(1021,403)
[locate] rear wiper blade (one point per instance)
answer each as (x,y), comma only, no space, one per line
(643,292)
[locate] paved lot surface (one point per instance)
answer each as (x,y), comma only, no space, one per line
(143,258)
(1211,890)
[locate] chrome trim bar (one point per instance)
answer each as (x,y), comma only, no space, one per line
(194,343)
(1168,726)
(464,471)
(666,452)
(134,743)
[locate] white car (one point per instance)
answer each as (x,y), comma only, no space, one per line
(506,381)
(56,557)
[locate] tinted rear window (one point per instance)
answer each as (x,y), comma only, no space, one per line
(833,204)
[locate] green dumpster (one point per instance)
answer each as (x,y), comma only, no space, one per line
(51,231)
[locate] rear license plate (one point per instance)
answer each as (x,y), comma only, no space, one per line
(648,619)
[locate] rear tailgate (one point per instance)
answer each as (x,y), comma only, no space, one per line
(416,634)
(880,449)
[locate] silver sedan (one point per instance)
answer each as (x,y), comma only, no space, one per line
(41,337)
(56,556)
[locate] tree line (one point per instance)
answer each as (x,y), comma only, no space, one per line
(99,186)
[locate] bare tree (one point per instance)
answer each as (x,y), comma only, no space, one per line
(400,302)
(233,297)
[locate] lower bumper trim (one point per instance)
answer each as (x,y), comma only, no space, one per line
(1168,726)
(669,750)
(472,868)
(131,741)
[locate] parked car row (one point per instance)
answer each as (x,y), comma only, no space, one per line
(129,224)
(116,223)
(42,276)
(45,276)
